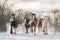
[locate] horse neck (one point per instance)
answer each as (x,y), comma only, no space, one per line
(46,21)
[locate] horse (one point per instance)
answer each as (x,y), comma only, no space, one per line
(39,24)
(14,25)
(27,24)
(45,24)
(33,23)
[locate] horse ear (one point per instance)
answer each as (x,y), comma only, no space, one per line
(33,14)
(13,14)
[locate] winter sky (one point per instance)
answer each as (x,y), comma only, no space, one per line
(34,4)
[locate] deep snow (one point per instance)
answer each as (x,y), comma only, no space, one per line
(21,35)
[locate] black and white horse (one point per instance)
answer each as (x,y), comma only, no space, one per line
(14,25)
(27,24)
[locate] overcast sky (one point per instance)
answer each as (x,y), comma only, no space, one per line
(34,4)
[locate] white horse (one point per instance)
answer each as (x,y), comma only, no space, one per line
(45,24)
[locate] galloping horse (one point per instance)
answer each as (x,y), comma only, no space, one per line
(39,24)
(14,25)
(45,25)
(27,24)
(33,23)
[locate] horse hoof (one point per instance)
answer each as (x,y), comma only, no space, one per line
(34,34)
(14,33)
(32,31)
(46,33)
(26,32)
(43,31)
(11,32)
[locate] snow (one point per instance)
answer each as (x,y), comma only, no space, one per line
(28,37)
(21,35)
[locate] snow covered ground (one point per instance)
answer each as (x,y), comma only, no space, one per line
(28,37)
(21,35)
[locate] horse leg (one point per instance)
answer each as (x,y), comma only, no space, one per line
(43,29)
(26,29)
(32,29)
(11,31)
(15,30)
(46,31)
(38,29)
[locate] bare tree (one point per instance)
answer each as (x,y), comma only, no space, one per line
(4,18)
(56,13)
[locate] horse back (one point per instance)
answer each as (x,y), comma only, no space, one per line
(14,23)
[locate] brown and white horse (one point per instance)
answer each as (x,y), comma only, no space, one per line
(35,23)
(39,24)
